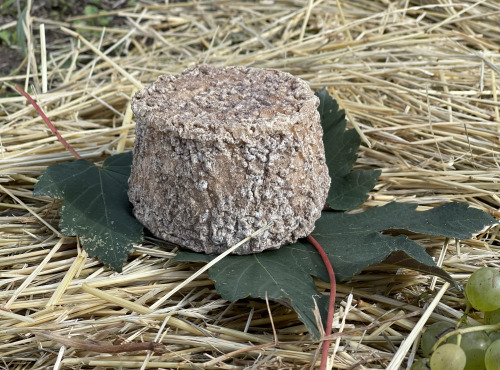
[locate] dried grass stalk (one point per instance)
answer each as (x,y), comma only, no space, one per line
(417,79)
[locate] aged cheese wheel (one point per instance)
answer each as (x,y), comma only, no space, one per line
(222,152)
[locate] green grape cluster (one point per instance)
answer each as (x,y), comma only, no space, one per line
(473,345)
(469,349)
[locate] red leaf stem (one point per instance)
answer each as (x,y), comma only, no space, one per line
(331,302)
(47,121)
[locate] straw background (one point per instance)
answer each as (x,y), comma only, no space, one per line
(417,78)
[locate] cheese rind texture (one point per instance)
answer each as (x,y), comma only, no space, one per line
(221,152)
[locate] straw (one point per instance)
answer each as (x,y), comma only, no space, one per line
(418,82)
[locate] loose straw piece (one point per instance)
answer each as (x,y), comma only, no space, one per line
(60,356)
(35,273)
(306,20)
(43,57)
(405,346)
(15,316)
(140,309)
(207,266)
(341,329)
(135,307)
(5,190)
(454,17)
(116,300)
(126,127)
(66,281)
(127,75)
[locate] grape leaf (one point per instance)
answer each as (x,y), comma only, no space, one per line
(352,243)
(95,206)
(348,189)
(285,274)
(355,241)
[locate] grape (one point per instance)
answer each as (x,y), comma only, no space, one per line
(474,345)
(483,289)
(492,317)
(492,357)
(432,334)
(420,364)
(494,335)
(449,356)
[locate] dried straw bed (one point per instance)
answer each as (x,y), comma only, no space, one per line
(418,80)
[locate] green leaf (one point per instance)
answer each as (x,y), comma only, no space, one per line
(104,20)
(20,34)
(401,259)
(352,243)
(348,189)
(90,10)
(5,37)
(285,274)
(6,4)
(355,241)
(351,189)
(95,206)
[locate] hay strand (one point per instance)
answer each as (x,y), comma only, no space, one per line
(418,81)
